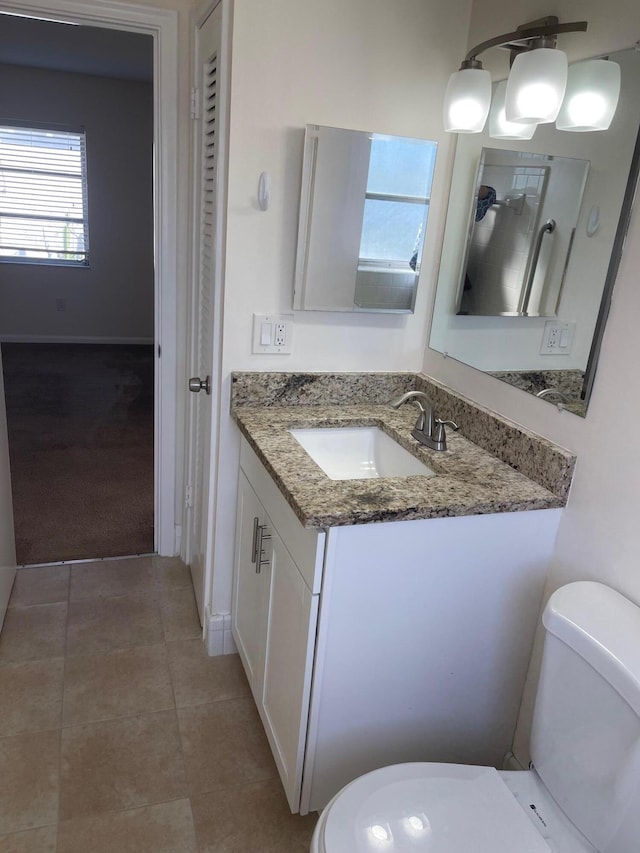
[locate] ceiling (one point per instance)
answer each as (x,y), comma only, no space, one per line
(66,47)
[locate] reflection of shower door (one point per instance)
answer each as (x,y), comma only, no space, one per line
(512,267)
(502,239)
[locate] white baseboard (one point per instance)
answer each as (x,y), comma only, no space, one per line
(177,546)
(218,637)
(70,339)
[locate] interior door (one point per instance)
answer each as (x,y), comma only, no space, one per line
(199,522)
(7,540)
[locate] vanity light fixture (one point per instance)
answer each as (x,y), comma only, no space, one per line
(499,127)
(591,98)
(536,85)
(467,99)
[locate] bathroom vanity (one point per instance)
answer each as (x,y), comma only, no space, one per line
(384,620)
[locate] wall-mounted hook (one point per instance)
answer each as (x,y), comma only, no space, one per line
(593,221)
(264,191)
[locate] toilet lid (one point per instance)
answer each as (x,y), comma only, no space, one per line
(449,808)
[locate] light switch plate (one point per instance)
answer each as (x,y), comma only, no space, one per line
(275,328)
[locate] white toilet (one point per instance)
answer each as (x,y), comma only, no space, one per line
(582,793)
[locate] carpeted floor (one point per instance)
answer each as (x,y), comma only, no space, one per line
(80,419)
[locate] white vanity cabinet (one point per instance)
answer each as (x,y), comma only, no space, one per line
(275,613)
(373,644)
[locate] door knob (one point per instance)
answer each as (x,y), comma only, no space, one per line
(196,384)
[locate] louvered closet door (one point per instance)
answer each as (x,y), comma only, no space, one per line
(208,52)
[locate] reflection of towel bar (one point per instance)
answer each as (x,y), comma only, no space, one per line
(548,228)
(514,202)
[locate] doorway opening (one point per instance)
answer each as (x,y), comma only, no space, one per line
(97,342)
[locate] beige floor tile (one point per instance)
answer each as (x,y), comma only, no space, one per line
(171,573)
(101,625)
(33,633)
(45,585)
(107,578)
(31,696)
(29,786)
(224,745)
(251,818)
(199,679)
(162,828)
(120,764)
(32,841)
(179,614)
(118,684)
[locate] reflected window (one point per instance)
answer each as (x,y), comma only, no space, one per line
(397,202)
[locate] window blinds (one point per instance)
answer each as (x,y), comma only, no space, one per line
(43,196)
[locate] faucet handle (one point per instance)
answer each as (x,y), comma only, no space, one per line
(443,424)
(440,434)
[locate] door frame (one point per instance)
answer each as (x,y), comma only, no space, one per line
(162,25)
(198,18)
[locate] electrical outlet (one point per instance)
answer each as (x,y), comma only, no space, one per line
(272,334)
(557,338)
(61,304)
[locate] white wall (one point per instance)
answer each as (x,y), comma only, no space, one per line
(113,297)
(365,65)
(599,537)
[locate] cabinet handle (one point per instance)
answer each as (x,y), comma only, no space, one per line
(254,543)
(261,537)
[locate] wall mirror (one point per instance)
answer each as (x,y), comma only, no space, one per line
(363,213)
(550,348)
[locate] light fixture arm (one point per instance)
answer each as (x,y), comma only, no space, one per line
(545,28)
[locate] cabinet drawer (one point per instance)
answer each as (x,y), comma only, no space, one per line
(306,546)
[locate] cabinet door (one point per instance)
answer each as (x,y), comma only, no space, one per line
(249,599)
(292,613)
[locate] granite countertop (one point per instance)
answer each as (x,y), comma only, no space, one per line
(468,480)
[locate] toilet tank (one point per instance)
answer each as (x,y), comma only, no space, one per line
(585,740)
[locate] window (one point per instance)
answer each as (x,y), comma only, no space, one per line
(43,196)
(397,202)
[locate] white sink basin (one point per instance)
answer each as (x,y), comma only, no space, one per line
(358,453)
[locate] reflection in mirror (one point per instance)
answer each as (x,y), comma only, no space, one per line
(523,220)
(363,214)
(547,350)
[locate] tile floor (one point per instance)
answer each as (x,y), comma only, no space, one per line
(118,733)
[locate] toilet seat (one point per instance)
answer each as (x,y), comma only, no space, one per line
(452,808)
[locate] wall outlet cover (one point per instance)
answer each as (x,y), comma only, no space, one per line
(272,334)
(557,338)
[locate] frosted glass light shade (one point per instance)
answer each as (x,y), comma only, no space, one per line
(536,86)
(499,127)
(467,100)
(593,89)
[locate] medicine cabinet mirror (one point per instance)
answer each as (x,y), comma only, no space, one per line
(363,213)
(532,244)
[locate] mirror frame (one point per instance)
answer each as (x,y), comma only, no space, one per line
(612,271)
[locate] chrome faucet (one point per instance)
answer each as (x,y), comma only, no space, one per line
(558,396)
(428,430)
